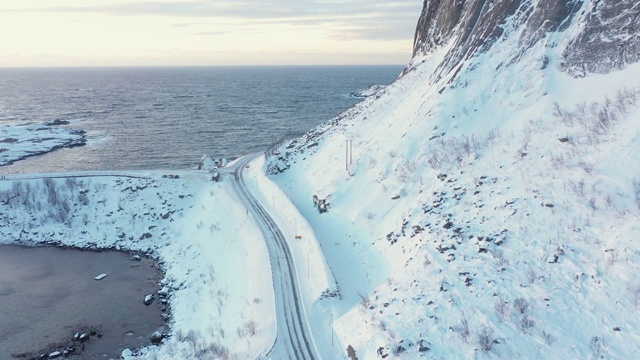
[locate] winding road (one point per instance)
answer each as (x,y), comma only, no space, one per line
(294,339)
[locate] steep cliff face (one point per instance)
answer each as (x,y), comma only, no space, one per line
(608,38)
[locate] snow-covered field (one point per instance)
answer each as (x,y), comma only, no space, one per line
(490,214)
(217,268)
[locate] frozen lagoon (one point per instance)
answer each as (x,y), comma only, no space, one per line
(48,294)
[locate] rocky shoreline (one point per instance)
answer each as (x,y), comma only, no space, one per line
(24,141)
(86,336)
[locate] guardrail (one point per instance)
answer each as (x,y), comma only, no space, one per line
(69,175)
(276,144)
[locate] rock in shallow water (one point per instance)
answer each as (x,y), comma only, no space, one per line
(148,299)
(156,337)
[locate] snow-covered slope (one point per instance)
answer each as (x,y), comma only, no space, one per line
(217,271)
(485,204)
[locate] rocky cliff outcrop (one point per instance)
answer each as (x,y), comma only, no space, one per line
(607,38)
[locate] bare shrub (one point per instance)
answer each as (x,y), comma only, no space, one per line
(501,308)
(51,191)
(498,256)
(526,324)
(612,258)
(558,161)
(526,140)
(365,301)
(405,171)
(463,329)
(427,260)
(636,191)
(250,328)
(486,339)
(531,276)
(635,295)
(521,305)
(608,200)
(565,116)
(548,338)
(596,345)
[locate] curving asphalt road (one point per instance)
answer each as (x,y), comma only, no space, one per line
(294,339)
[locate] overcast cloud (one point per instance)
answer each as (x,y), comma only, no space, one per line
(330,21)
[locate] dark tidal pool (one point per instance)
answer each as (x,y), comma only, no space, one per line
(48,294)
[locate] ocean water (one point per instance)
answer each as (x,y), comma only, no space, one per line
(157,118)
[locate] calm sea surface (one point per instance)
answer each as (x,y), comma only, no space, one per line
(154,118)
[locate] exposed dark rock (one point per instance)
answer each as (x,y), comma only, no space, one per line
(608,40)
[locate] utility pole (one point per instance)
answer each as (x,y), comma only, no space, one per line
(349,153)
(331,330)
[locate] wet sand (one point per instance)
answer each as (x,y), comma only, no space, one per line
(48,294)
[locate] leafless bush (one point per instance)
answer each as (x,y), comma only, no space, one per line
(365,301)
(636,191)
(501,308)
(578,187)
(596,344)
(526,139)
(612,258)
(608,200)
(434,160)
(558,161)
(427,260)
(521,305)
(531,275)
(526,324)
(548,338)
(635,295)
(52,192)
(250,328)
(486,340)
(406,170)
(565,116)
(463,329)
(71,183)
(499,257)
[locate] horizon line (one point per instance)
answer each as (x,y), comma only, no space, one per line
(189,66)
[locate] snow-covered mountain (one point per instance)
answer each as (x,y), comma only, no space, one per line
(487,203)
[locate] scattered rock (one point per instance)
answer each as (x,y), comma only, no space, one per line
(55,354)
(148,299)
(156,337)
(422,346)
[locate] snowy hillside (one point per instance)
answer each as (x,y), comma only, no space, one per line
(217,280)
(485,204)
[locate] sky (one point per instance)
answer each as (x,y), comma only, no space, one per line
(206,32)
